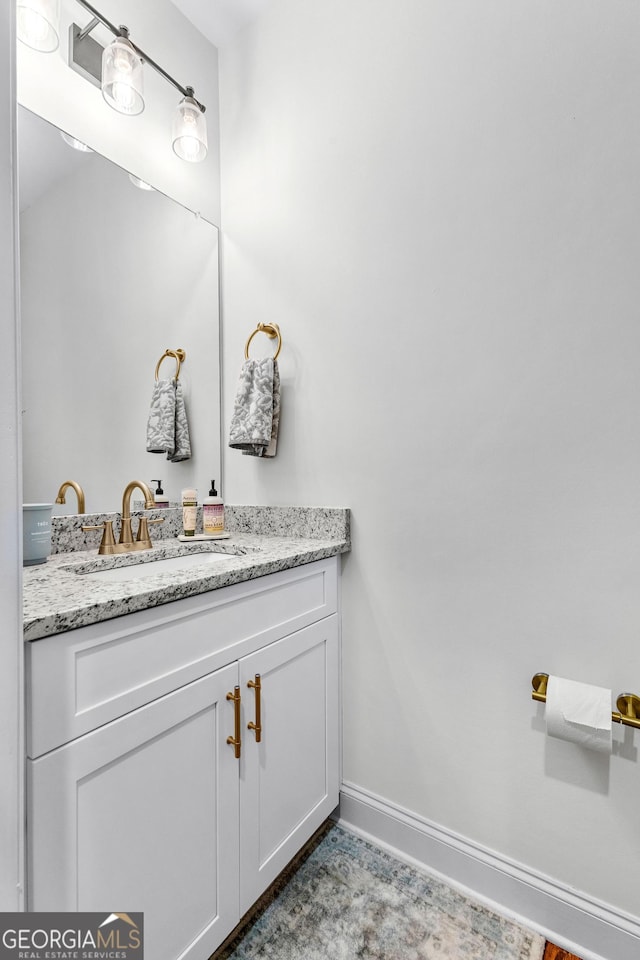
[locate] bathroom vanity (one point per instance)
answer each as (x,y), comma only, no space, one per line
(179,756)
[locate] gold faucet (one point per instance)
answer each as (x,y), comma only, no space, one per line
(142,541)
(126,543)
(79,493)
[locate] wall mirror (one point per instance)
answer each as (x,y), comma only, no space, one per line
(111,276)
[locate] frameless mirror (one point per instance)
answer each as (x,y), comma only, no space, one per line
(111,276)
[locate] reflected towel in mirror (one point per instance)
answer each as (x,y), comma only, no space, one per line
(167,426)
(256,412)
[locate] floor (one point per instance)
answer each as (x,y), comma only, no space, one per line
(551,951)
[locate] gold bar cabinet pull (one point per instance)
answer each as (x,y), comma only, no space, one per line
(257,726)
(236,740)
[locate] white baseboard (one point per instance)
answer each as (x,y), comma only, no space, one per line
(587,927)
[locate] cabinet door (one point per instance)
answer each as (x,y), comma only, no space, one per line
(289,780)
(142,814)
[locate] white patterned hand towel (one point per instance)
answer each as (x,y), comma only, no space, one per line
(256,414)
(167,426)
(182,450)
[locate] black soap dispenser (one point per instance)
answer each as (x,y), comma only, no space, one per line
(160,499)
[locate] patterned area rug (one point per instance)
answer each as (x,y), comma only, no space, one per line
(351,900)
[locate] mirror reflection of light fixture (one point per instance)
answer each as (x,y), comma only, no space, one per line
(76,144)
(122,76)
(140,184)
(37,24)
(117,69)
(189,130)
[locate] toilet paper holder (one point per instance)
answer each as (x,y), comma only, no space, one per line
(628,704)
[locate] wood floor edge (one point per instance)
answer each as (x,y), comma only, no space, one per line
(551,952)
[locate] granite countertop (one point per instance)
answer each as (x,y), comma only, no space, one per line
(60,595)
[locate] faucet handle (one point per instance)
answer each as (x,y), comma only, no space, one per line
(108,540)
(143,529)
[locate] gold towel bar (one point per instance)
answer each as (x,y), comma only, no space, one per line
(178,355)
(627,703)
(272,330)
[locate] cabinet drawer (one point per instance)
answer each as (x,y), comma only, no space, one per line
(87,677)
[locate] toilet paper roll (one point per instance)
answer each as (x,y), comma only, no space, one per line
(579,713)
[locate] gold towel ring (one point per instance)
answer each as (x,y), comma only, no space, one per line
(178,355)
(272,330)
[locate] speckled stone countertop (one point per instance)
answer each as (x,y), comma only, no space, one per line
(60,595)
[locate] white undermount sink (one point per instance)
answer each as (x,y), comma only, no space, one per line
(140,570)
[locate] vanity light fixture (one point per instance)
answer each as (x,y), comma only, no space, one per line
(117,69)
(37,24)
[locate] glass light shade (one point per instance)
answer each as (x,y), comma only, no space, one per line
(122,77)
(76,144)
(189,131)
(140,184)
(37,24)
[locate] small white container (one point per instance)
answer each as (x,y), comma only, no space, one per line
(189,511)
(36,532)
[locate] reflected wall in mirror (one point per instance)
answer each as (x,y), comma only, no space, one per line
(111,276)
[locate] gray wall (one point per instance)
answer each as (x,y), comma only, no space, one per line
(439,204)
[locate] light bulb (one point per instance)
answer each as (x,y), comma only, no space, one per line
(124,97)
(189,148)
(37,24)
(121,63)
(32,26)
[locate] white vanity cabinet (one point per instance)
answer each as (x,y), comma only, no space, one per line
(136,799)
